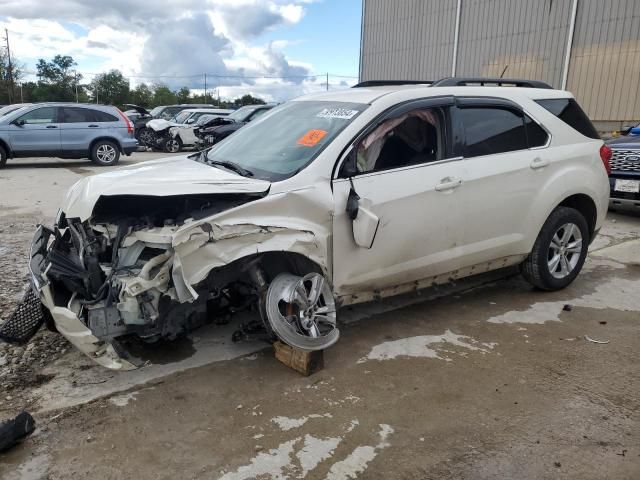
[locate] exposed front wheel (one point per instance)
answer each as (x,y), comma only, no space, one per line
(105,153)
(559,251)
(302,311)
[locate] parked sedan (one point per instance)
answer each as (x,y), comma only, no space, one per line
(67,130)
(624,178)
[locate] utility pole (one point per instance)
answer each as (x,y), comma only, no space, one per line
(205,88)
(327,81)
(21,96)
(10,67)
(76,78)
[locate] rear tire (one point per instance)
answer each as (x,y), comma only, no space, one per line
(105,153)
(3,157)
(559,251)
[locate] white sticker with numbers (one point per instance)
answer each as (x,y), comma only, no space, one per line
(343,113)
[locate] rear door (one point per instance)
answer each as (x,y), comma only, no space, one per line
(38,135)
(78,128)
(507,162)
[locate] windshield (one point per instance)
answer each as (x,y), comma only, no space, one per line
(156,111)
(182,117)
(279,144)
(10,108)
(241,114)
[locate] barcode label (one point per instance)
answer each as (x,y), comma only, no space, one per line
(338,113)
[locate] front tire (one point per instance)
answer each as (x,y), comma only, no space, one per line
(105,153)
(559,251)
(3,157)
(172,145)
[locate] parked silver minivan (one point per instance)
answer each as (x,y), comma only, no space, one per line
(67,130)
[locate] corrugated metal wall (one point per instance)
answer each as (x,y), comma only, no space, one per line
(604,69)
(414,40)
(408,39)
(527,38)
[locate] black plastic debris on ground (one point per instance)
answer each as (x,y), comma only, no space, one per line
(16,430)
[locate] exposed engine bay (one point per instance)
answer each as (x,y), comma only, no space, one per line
(119,274)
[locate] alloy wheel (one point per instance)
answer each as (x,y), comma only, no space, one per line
(565,250)
(106,153)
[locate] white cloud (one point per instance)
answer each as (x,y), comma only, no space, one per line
(180,38)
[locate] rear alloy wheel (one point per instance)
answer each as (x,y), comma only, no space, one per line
(173,145)
(3,156)
(302,311)
(105,153)
(559,252)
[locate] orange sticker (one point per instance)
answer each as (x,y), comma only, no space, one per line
(311,138)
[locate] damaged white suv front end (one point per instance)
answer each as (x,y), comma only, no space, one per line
(153,251)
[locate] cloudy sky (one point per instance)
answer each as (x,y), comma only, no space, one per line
(176,41)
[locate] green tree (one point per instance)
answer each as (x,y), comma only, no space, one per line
(248,100)
(183,95)
(142,95)
(57,79)
(8,77)
(162,95)
(111,88)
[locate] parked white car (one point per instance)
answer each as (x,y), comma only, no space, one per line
(327,200)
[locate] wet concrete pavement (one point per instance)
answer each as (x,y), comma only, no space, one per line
(495,381)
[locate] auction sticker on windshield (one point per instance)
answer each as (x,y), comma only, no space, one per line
(343,113)
(312,137)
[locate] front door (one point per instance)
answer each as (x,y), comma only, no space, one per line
(37,132)
(406,175)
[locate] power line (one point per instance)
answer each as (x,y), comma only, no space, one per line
(214,75)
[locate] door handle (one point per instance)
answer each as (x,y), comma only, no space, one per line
(94,126)
(539,163)
(52,126)
(448,183)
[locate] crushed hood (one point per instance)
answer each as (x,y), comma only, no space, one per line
(167,177)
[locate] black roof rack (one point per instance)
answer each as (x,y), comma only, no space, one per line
(382,83)
(483,81)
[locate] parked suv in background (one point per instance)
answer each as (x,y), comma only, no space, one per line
(328,200)
(65,130)
(625,173)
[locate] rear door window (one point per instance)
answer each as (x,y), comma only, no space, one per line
(491,130)
(536,135)
(77,115)
(568,110)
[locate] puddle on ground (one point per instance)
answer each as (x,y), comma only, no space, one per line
(425,346)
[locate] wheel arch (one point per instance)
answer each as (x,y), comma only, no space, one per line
(107,138)
(6,148)
(586,206)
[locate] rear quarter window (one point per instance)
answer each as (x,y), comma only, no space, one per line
(104,116)
(568,110)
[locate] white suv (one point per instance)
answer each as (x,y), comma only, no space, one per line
(327,200)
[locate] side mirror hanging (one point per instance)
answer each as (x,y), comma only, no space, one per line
(353,202)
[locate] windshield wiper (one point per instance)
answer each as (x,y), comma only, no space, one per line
(231,166)
(203,157)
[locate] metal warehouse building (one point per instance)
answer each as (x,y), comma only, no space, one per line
(589,47)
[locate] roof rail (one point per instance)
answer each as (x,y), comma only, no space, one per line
(483,81)
(382,83)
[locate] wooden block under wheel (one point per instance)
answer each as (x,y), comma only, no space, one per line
(306,363)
